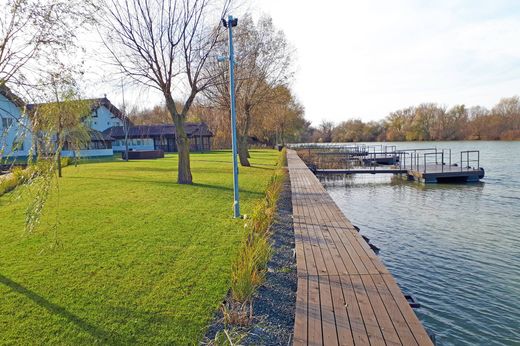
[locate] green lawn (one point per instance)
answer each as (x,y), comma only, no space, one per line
(142,260)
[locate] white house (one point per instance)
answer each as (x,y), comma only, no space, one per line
(160,137)
(15,134)
(104,116)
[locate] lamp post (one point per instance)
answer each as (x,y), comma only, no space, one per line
(229,24)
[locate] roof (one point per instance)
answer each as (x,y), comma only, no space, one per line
(8,94)
(143,131)
(96,103)
(95,135)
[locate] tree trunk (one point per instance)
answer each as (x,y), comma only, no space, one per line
(182,141)
(58,154)
(243,145)
(243,152)
(183,148)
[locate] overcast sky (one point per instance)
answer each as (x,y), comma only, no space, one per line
(363,59)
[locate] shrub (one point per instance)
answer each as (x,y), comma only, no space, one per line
(8,183)
(20,176)
(65,161)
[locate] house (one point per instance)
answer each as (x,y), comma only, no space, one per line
(107,133)
(103,115)
(99,145)
(160,137)
(15,134)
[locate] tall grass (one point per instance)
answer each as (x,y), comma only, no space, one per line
(250,266)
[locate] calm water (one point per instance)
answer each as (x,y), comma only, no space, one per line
(455,247)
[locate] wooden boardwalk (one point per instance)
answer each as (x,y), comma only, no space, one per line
(346,296)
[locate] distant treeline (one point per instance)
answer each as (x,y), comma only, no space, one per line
(429,122)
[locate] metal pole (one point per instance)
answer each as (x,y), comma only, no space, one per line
(236,203)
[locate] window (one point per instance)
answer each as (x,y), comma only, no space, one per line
(7,122)
(18,144)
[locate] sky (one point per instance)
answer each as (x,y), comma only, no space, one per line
(365,59)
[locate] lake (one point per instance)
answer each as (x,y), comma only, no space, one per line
(455,247)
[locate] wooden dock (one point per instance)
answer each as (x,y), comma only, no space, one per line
(367,170)
(429,174)
(346,296)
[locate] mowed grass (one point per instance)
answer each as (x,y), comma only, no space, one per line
(141,259)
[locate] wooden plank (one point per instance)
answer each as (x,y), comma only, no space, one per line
(315,336)
(323,243)
(301,313)
(383,319)
(328,320)
(373,329)
(357,325)
(307,231)
(413,322)
(400,325)
(340,311)
(301,263)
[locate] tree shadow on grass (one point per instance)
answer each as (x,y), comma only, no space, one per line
(225,188)
(265,167)
(212,161)
(172,183)
(95,332)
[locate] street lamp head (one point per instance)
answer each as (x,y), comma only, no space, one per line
(232,21)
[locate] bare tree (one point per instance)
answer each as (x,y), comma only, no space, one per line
(165,44)
(264,61)
(32,34)
(33,29)
(325,129)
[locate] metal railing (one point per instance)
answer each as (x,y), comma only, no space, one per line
(468,154)
(433,159)
(424,160)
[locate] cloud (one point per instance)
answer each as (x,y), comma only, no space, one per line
(366,58)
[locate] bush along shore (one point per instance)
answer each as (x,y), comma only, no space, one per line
(19,175)
(259,308)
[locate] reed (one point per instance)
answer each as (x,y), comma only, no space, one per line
(250,266)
